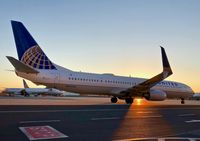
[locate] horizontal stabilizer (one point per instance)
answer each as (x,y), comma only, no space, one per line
(20,66)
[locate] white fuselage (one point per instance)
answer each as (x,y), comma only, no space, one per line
(100,84)
(14,91)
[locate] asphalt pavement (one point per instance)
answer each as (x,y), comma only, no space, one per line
(100,122)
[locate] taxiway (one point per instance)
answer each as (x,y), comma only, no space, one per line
(91,118)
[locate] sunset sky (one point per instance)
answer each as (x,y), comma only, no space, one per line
(107,36)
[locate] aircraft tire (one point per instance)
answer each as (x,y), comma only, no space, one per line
(113,100)
(182,101)
(129,100)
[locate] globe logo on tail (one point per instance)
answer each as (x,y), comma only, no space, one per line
(36,58)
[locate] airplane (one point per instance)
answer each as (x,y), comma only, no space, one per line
(196,96)
(26,91)
(34,65)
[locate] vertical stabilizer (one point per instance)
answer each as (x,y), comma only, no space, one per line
(25,84)
(29,52)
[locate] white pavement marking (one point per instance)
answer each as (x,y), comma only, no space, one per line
(160,139)
(92,110)
(153,116)
(136,139)
(186,115)
(144,112)
(193,121)
(108,118)
(132,117)
(39,121)
(56,111)
(178,138)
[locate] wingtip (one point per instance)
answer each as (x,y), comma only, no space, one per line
(9,57)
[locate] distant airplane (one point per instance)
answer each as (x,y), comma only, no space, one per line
(196,96)
(26,91)
(35,66)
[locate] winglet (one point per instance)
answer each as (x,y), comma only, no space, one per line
(20,66)
(166,66)
(145,86)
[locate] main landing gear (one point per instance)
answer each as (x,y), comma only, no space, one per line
(113,99)
(182,101)
(24,93)
(129,100)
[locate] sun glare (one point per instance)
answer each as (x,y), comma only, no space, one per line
(138,101)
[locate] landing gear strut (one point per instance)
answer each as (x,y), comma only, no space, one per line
(182,101)
(129,100)
(24,93)
(113,99)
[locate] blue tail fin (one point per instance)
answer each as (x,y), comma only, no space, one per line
(25,84)
(28,50)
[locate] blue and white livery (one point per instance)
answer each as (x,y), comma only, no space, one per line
(29,52)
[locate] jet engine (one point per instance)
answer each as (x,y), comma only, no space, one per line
(156,95)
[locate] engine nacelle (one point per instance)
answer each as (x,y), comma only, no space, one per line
(156,95)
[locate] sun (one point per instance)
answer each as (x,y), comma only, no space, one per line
(138,101)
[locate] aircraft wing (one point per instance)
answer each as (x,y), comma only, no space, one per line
(144,87)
